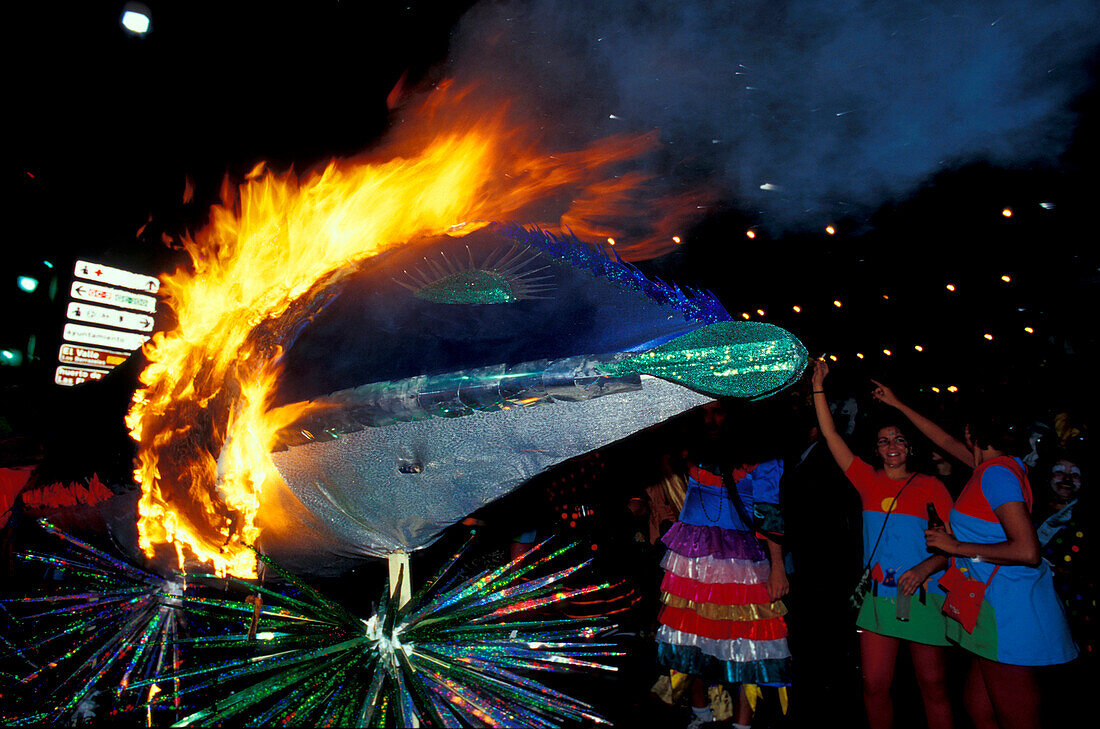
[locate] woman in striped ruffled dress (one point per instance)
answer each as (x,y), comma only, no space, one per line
(721,620)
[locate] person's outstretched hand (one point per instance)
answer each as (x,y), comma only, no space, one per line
(885,395)
(821,371)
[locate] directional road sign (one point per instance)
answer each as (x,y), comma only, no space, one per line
(102,337)
(75,375)
(112,297)
(116,277)
(110,317)
(90,356)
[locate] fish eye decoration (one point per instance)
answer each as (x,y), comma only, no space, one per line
(458,653)
(505,276)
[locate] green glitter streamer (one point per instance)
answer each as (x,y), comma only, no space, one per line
(732,359)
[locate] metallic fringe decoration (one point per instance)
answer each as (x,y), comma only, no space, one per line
(451,656)
(448,658)
(108,629)
(693,304)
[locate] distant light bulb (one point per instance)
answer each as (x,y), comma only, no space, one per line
(1006,278)
(859,355)
(750,233)
(832,357)
(884,296)
(760,312)
(887,352)
(611,241)
(744,315)
(135,18)
(1029,330)
(950,287)
(796,309)
(837,304)
(988,336)
(935,389)
(676,239)
(830,230)
(918,348)
(952,388)
(1007,212)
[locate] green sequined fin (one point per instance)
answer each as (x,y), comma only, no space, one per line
(731,359)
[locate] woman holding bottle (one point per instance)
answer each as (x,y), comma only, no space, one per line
(903,608)
(1019,623)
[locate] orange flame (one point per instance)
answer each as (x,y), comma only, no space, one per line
(266,261)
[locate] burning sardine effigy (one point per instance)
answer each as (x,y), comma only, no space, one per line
(445,376)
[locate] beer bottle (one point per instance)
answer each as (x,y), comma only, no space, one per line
(934,520)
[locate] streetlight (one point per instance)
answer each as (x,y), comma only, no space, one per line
(136,18)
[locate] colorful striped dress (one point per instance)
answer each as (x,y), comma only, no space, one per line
(717,620)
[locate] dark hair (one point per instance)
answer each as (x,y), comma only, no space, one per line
(1074,453)
(1001,432)
(873,431)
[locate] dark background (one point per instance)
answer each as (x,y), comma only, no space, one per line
(109,126)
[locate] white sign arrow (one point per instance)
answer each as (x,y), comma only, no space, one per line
(110,317)
(102,337)
(70,376)
(116,277)
(113,297)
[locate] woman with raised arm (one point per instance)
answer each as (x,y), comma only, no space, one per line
(896,510)
(1018,623)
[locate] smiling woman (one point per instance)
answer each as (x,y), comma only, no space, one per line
(896,506)
(1012,621)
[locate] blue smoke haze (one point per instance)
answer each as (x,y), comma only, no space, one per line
(841,105)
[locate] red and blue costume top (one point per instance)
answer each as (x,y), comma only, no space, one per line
(1021,621)
(902,544)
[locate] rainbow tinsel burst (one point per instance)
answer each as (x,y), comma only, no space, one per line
(448,658)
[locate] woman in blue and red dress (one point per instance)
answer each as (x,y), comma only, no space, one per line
(903,609)
(1020,622)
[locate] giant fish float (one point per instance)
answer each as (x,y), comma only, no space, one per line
(447,373)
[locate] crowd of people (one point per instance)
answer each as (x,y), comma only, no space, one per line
(975,564)
(839,558)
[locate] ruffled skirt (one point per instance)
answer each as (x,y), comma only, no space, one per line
(716,618)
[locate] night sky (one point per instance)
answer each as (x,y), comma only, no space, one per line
(911,130)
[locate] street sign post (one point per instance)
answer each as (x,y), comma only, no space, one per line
(115,308)
(109,317)
(90,356)
(116,277)
(113,297)
(70,376)
(98,336)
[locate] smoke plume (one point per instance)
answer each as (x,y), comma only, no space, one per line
(799,111)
